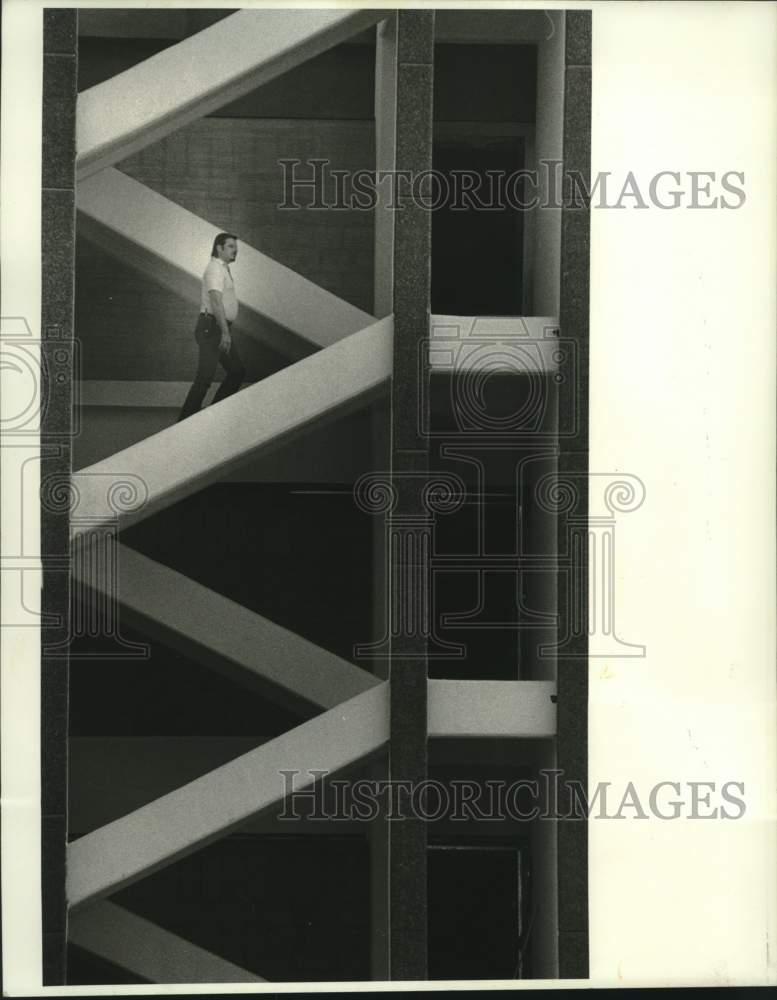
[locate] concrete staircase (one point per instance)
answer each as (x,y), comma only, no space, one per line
(189,455)
(206,71)
(167,243)
(351,359)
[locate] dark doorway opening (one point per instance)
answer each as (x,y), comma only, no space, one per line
(477,251)
(485,103)
(478,901)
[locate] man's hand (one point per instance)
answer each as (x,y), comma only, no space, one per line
(225,346)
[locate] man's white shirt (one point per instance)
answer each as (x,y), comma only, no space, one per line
(217,278)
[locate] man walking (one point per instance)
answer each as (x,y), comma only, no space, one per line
(218,309)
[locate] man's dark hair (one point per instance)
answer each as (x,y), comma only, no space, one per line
(220,240)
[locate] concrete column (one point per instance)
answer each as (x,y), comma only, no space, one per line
(57,362)
(385,159)
(548,150)
(407,839)
(572,745)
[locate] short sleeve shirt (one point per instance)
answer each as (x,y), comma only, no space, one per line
(217,278)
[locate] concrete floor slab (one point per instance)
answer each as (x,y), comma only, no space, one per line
(493,709)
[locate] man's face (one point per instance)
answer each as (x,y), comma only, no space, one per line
(228,250)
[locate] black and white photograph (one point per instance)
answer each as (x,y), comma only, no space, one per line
(340,344)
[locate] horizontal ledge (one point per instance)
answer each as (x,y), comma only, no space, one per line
(510,344)
(491,709)
(492,27)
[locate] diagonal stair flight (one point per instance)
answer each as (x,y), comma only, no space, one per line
(352,359)
(167,242)
(184,458)
(145,103)
(142,947)
(181,822)
(247,648)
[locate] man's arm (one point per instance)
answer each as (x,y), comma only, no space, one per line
(217,306)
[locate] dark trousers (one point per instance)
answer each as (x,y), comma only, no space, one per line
(208,337)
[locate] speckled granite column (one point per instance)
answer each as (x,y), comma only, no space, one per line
(57,362)
(412,286)
(573,468)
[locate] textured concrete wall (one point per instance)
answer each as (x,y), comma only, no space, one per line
(385,158)
(57,241)
(229,172)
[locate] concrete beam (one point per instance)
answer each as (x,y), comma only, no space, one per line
(492,27)
(246,647)
(182,459)
(210,807)
(406,842)
(201,73)
(385,159)
(492,709)
(139,946)
(171,245)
